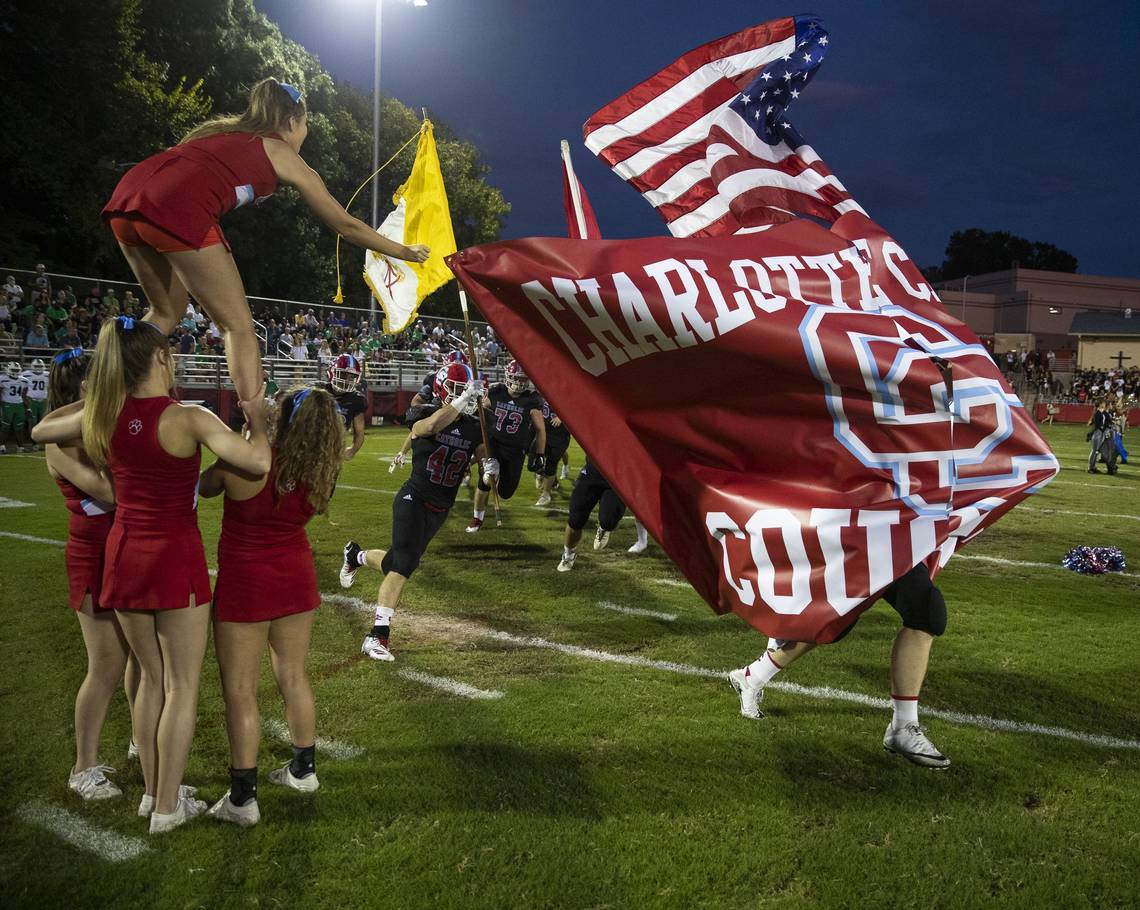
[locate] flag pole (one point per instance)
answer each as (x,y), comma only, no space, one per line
(575,193)
(482,419)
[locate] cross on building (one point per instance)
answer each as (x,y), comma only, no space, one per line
(1120,358)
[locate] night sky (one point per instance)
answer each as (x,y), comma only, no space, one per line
(937,116)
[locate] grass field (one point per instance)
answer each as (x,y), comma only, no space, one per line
(615,770)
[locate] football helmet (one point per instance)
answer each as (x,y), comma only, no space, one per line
(37,366)
(13,369)
(450,383)
(344,374)
(517,380)
(457,357)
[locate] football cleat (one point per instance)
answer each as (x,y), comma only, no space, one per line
(601,539)
(638,546)
(475,525)
(543,500)
(284,777)
(243,816)
(91,783)
(351,564)
(567,561)
(750,695)
(911,743)
(186,809)
(376,649)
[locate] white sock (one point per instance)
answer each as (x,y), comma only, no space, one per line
(384,616)
(567,552)
(906,711)
(761,670)
(146,804)
(360,560)
(479,513)
(642,534)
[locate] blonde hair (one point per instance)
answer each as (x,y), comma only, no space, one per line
(269,110)
(122,360)
(307,431)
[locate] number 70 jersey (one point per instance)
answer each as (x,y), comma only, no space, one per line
(439,461)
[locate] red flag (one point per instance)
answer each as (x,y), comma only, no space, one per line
(580,221)
(770,406)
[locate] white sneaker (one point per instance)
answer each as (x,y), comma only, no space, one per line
(243,816)
(91,783)
(750,695)
(132,750)
(474,525)
(601,539)
(375,649)
(146,804)
(564,473)
(638,547)
(567,561)
(543,500)
(911,743)
(186,809)
(284,777)
(351,564)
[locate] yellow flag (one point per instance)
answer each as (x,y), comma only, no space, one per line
(421,216)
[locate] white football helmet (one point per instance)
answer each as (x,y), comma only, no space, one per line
(13,369)
(517,381)
(37,366)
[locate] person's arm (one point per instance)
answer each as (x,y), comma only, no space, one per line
(433,423)
(63,426)
(212,481)
(252,455)
(292,170)
(357,437)
(73,465)
(539,430)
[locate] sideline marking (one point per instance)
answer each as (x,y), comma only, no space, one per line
(6,503)
(550,508)
(30,539)
(77,831)
(1068,512)
(331,747)
(671,582)
(454,686)
(636,611)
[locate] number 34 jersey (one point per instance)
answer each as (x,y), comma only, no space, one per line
(438,461)
(508,418)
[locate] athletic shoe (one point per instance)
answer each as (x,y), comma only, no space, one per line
(186,809)
(146,804)
(132,750)
(475,525)
(567,561)
(351,564)
(543,500)
(243,816)
(376,649)
(601,539)
(638,547)
(91,783)
(564,473)
(284,777)
(911,743)
(750,695)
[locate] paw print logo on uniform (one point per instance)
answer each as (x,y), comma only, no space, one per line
(135,427)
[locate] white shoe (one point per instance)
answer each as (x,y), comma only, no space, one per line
(186,809)
(601,539)
(543,500)
(374,649)
(132,750)
(243,816)
(351,564)
(567,561)
(284,777)
(638,547)
(750,695)
(564,473)
(146,804)
(474,525)
(91,783)
(911,743)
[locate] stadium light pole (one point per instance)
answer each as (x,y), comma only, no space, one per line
(964,280)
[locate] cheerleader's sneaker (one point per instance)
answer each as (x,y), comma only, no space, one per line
(188,808)
(243,816)
(92,783)
(284,777)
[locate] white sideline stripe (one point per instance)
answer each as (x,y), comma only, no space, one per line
(347,486)
(671,582)
(30,539)
(981,721)
(454,686)
(6,503)
(1068,512)
(331,747)
(23,455)
(1030,565)
(69,827)
(636,611)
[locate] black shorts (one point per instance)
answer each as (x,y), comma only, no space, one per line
(589,493)
(414,524)
(902,593)
(555,448)
(511,459)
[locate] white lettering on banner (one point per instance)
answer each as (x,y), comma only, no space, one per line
(544,302)
(830,266)
(763,298)
(790,266)
(638,318)
(726,319)
(785,522)
(600,323)
(682,305)
(719,524)
(892,252)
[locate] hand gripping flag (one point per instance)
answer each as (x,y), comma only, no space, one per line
(421,216)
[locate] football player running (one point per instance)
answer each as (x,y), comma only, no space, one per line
(557,442)
(344,382)
(923,611)
(13,398)
(592,489)
(445,438)
(36,379)
(515,411)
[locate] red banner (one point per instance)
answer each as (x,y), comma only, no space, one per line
(770,405)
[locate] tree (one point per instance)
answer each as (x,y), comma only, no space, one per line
(976,252)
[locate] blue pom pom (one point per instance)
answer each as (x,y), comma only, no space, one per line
(1094,560)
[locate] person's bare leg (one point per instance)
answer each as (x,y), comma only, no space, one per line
(106,657)
(289,639)
(374,559)
(480,499)
(182,637)
(910,658)
(239,646)
(391,589)
(139,628)
(211,275)
(163,288)
(571,537)
(131,675)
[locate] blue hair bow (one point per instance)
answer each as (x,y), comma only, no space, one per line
(297,399)
(127,322)
(291,91)
(64,356)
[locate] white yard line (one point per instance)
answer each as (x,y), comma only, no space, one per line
(333,748)
(453,686)
(636,611)
(80,833)
(6,503)
(1070,512)
(671,583)
(30,539)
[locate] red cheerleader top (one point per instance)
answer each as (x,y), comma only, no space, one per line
(186,189)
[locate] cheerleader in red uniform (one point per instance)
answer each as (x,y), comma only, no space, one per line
(165,214)
(154,575)
(90,498)
(267,589)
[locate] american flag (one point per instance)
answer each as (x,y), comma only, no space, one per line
(707,141)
